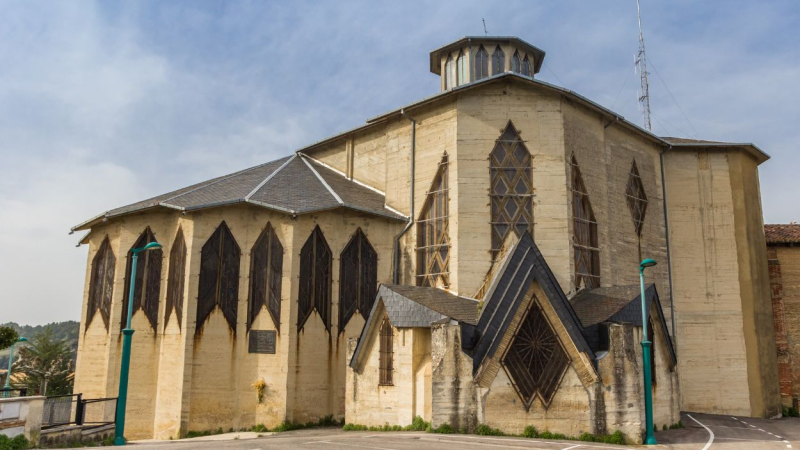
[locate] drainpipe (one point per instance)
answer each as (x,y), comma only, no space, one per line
(669,259)
(396,277)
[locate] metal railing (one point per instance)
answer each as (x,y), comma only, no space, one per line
(60,410)
(11,392)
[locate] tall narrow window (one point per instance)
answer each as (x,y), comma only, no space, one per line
(462,68)
(526,66)
(177,279)
(449,73)
(358,278)
(316,265)
(584,234)
(433,239)
(637,199)
(266,270)
(651,335)
(219,277)
(101,283)
(515,63)
(148,280)
(511,187)
(481,63)
(498,61)
(386,354)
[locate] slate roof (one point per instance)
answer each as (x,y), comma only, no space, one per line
(782,233)
(295,184)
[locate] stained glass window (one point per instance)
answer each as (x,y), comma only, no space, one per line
(511,191)
(148,280)
(386,353)
(177,278)
(584,234)
(637,199)
(358,278)
(481,64)
(433,239)
(219,277)
(101,283)
(498,61)
(266,271)
(316,264)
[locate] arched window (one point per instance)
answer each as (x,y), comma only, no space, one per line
(511,187)
(177,278)
(515,63)
(316,265)
(449,73)
(219,277)
(433,239)
(462,68)
(637,199)
(358,278)
(498,61)
(526,66)
(148,280)
(584,234)
(266,271)
(101,283)
(481,64)
(386,353)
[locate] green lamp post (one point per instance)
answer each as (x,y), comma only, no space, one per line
(10,359)
(650,438)
(122,397)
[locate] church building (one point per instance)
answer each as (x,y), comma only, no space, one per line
(501,206)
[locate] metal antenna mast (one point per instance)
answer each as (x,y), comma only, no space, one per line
(641,64)
(486,33)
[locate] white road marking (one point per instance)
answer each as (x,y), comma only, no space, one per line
(526,440)
(711,433)
(568,448)
(347,444)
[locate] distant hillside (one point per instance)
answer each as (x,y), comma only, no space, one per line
(63,330)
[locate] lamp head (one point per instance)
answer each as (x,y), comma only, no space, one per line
(647,263)
(150,246)
(22,339)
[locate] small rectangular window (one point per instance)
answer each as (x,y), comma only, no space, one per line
(386,354)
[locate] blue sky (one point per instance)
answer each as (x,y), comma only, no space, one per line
(90,92)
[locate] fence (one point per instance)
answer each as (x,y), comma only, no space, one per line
(11,392)
(74,410)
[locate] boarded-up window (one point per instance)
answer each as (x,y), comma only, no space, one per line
(511,191)
(316,266)
(481,63)
(148,280)
(433,239)
(386,353)
(637,199)
(358,278)
(535,361)
(101,284)
(584,234)
(498,61)
(177,279)
(266,270)
(219,277)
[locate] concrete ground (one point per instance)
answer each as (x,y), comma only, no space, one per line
(702,432)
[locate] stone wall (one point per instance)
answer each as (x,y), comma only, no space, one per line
(784,271)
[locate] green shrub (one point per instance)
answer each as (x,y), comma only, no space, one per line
(790,412)
(328,421)
(486,430)
(616,438)
(530,432)
(559,436)
(19,442)
(418,424)
(354,427)
(259,428)
(444,428)
(664,428)
(587,437)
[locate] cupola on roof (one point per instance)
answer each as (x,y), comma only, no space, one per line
(473,58)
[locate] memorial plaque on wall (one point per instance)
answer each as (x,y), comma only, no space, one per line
(262,341)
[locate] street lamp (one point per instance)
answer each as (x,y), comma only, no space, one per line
(650,438)
(10,359)
(122,396)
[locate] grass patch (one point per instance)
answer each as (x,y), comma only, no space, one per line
(194,434)
(444,428)
(486,430)
(418,424)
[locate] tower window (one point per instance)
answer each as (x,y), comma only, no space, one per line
(449,73)
(637,199)
(386,353)
(177,277)
(584,234)
(481,64)
(433,239)
(266,271)
(462,68)
(219,277)
(511,187)
(358,278)
(526,67)
(148,280)
(101,283)
(316,266)
(498,61)
(515,63)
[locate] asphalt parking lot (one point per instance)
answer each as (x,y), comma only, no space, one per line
(702,432)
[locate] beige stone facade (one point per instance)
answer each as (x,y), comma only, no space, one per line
(712,273)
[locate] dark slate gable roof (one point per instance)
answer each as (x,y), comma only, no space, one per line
(295,185)
(522,266)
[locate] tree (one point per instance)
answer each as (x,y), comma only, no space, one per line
(45,365)
(8,336)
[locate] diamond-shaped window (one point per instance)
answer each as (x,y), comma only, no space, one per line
(637,199)
(535,361)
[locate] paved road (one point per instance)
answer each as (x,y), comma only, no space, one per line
(729,433)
